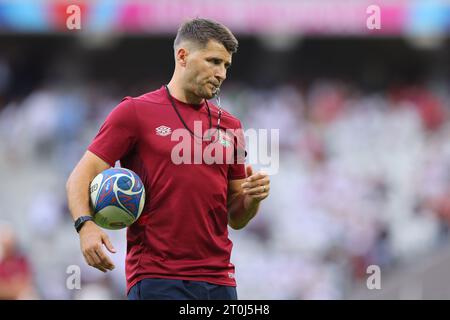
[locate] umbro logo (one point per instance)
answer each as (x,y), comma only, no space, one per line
(163,131)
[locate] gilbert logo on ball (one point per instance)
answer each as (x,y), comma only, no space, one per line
(117,198)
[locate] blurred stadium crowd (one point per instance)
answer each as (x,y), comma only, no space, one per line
(364,178)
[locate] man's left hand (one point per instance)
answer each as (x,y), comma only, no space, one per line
(256,186)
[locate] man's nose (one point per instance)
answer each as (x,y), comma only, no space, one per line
(221,74)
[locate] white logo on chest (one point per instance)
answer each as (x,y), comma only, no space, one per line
(163,131)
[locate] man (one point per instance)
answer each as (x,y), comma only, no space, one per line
(16,280)
(179,247)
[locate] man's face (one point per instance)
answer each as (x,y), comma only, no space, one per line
(206,69)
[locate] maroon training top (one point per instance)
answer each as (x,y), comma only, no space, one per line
(182,232)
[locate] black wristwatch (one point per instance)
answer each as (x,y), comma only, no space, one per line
(80,222)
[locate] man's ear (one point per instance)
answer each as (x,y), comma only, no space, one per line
(181,56)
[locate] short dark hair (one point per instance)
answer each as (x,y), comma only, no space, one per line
(202,30)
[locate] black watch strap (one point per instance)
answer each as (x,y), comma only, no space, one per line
(81,220)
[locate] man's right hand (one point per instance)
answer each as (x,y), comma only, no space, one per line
(92,239)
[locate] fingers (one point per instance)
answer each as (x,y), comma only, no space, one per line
(92,248)
(96,258)
(258,190)
(108,244)
(104,261)
(93,260)
(260,196)
(257,176)
(257,185)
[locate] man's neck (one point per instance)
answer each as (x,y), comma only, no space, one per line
(182,95)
